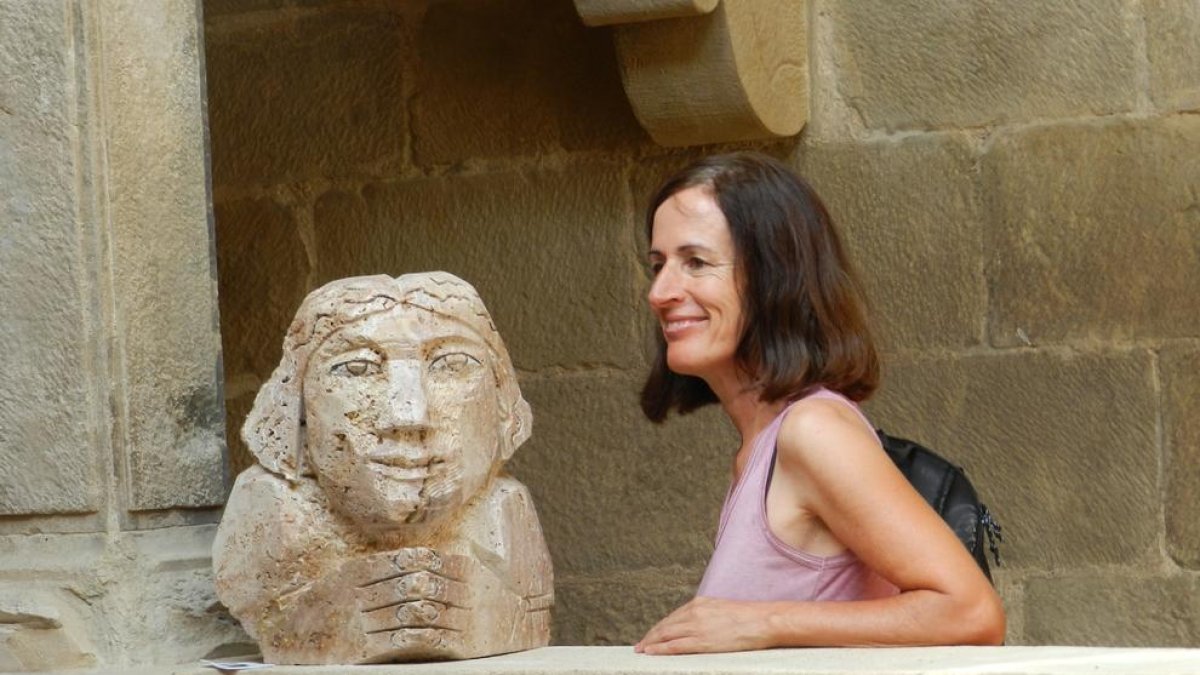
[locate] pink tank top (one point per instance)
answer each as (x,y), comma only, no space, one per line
(750,563)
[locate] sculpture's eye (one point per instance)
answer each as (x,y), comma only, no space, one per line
(355,368)
(454,362)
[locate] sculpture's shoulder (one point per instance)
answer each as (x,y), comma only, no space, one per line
(263,502)
(506,536)
(510,490)
(272,537)
(509,505)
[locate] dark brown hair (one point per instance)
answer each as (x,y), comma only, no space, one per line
(803,311)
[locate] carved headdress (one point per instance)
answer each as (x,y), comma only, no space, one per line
(274,429)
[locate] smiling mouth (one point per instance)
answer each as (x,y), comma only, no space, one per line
(673,327)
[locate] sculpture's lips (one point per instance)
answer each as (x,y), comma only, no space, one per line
(403,460)
(404,467)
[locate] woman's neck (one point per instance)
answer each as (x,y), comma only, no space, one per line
(740,399)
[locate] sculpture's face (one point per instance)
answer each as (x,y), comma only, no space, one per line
(403,418)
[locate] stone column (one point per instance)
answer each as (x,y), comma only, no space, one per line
(111,432)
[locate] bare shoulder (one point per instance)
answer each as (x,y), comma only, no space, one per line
(821,430)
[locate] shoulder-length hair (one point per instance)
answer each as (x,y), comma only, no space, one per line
(803,311)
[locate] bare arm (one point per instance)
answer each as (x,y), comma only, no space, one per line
(832,464)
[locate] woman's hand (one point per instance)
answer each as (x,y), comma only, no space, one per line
(709,625)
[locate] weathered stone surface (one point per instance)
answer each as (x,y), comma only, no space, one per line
(909,216)
(567,234)
(615,491)
(1181,420)
(606,12)
(1117,609)
(236,409)
(48,411)
(217,8)
(110,600)
(263,275)
(737,73)
(925,64)
(163,277)
(314,95)
(1094,231)
(1062,447)
(173,609)
(1173,46)
(41,628)
(515,77)
(619,607)
(379,441)
(622,660)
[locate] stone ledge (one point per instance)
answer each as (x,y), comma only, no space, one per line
(906,661)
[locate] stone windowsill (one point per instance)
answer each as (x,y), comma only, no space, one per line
(884,661)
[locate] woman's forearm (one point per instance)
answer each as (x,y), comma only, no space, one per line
(919,617)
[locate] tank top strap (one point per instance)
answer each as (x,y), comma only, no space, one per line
(757,472)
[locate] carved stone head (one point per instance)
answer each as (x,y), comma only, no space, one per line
(397,395)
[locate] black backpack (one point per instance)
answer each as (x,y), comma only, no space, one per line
(946,488)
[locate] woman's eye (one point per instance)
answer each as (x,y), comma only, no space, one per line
(655,267)
(355,368)
(695,264)
(454,362)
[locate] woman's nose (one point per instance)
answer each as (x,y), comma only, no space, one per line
(404,405)
(666,288)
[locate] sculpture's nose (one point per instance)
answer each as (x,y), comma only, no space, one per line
(404,406)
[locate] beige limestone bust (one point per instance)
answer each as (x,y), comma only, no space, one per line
(377,524)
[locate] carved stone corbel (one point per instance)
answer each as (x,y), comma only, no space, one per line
(705,71)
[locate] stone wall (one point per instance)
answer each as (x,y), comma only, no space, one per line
(1018,182)
(112,468)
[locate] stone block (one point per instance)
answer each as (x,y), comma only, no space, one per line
(919,64)
(174,611)
(220,8)
(515,77)
(43,628)
(615,492)
(236,409)
(1173,49)
(263,276)
(319,95)
(1061,446)
(110,600)
(609,12)
(1117,609)
(909,216)
(618,608)
(567,231)
(24,557)
(162,274)
(739,72)
(50,412)
(1181,420)
(1094,231)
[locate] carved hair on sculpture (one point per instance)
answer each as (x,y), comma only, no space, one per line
(275,428)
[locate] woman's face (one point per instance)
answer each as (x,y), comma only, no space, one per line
(695,293)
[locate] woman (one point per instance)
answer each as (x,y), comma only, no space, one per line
(760,312)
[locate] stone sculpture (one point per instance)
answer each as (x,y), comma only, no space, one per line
(376,524)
